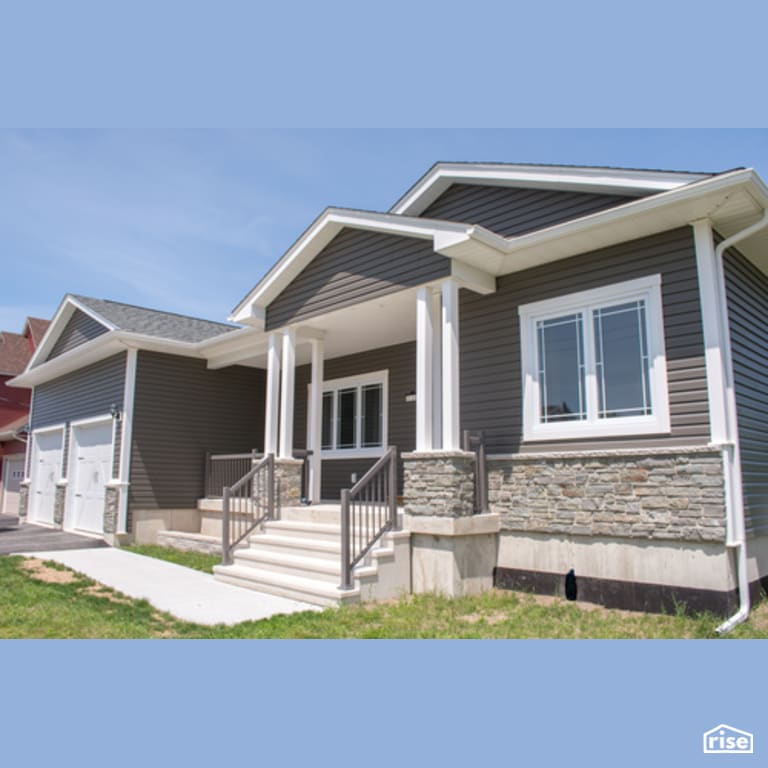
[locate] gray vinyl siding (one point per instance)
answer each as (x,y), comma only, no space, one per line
(747,292)
(514,211)
(181,411)
(356,266)
(82,394)
(80,329)
(491,379)
(400,361)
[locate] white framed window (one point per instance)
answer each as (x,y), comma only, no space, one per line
(594,363)
(354,418)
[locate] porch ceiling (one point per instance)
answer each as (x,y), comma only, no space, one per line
(381,322)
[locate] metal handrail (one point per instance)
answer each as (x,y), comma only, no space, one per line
(247,504)
(368,510)
(475,442)
(222,469)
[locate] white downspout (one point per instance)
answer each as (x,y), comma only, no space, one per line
(734,496)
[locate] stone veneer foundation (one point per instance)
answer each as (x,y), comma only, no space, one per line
(288,482)
(659,496)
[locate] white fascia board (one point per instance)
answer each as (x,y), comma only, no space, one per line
(320,233)
(631,220)
(605,180)
(100,348)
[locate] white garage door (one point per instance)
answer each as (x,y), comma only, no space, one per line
(13,474)
(90,462)
(45,471)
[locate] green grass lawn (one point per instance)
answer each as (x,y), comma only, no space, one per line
(47,600)
(196,560)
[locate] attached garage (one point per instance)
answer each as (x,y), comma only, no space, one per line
(90,469)
(45,472)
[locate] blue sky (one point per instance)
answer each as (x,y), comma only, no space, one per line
(189,220)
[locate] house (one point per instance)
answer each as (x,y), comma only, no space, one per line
(595,336)
(124,410)
(16,349)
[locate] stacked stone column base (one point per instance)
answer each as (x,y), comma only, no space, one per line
(453,551)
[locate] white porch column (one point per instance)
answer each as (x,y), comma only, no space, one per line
(316,420)
(450,373)
(273,394)
(287,389)
(425,335)
(437,373)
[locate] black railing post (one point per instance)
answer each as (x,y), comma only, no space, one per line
(226,557)
(346,571)
(482,476)
(271,486)
(207,481)
(393,488)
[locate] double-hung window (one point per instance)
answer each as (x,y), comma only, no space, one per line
(354,421)
(594,363)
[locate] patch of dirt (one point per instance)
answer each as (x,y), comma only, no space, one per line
(490,618)
(37,569)
(97,590)
(583,605)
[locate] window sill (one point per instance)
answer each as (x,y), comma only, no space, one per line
(353,453)
(574,431)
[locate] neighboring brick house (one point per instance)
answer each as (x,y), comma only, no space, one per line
(16,350)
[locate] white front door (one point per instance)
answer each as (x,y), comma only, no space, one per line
(13,474)
(45,472)
(90,470)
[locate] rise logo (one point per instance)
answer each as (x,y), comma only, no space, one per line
(726,740)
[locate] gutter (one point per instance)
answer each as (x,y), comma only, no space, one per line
(734,498)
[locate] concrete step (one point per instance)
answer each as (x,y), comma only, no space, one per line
(285,585)
(302,530)
(325,549)
(290,563)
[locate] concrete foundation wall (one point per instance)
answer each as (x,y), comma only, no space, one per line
(147,523)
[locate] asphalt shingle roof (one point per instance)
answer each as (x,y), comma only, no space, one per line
(14,353)
(153,322)
(37,328)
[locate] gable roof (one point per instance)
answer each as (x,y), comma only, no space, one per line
(151,322)
(634,182)
(14,353)
(659,200)
(36,328)
(126,325)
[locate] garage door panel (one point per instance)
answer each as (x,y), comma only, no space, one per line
(91,463)
(45,471)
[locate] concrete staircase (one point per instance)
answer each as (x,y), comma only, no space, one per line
(299,556)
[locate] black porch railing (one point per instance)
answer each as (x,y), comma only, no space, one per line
(246,504)
(368,510)
(225,469)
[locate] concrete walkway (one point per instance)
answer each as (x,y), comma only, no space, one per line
(187,594)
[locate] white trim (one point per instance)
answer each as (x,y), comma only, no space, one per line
(272,415)
(315,421)
(587,179)
(49,428)
(321,232)
(126,438)
(425,339)
(287,393)
(709,295)
(449,328)
(358,381)
(584,303)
